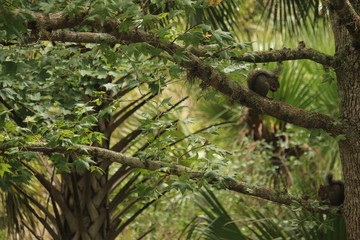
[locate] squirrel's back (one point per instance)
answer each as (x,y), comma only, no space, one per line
(334,191)
(261,81)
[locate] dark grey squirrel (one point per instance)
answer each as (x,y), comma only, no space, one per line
(334,191)
(261,81)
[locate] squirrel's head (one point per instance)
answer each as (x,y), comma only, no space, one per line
(323,192)
(274,83)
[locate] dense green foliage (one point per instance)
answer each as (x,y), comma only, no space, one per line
(137,99)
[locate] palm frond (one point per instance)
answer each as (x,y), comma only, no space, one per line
(268,222)
(216,223)
(290,14)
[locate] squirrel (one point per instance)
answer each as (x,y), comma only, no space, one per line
(261,81)
(334,191)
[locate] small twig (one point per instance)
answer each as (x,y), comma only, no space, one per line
(185,32)
(201,130)
(16,117)
(146,233)
(193,149)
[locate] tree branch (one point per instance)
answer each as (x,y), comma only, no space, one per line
(170,168)
(254,56)
(211,77)
(114,124)
(356,5)
(77,37)
(287,54)
(274,108)
(200,130)
(59,20)
(17,119)
(349,18)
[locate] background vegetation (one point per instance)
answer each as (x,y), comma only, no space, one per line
(134,100)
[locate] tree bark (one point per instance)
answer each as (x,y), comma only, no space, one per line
(80,191)
(348,82)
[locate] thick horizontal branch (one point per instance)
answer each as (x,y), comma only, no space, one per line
(77,37)
(348,18)
(274,108)
(55,21)
(173,169)
(211,77)
(287,54)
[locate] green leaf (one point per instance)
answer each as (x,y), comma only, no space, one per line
(97,169)
(3,117)
(99,12)
(250,55)
(89,119)
(166,101)
(205,28)
(60,163)
(243,45)
(83,163)
(13,150)
(154,88)
(164,34)
(211,175)
(222,37)
(174,71)
(340,137)
(180,56)
(181,185)
(149,19)
(7,93)
(315,132)
(174,13)
(328,79)
(14,24)
(35,97)
(4,168)
(192,38)
(187,3)
(111,87)
(9,68)
(125,25)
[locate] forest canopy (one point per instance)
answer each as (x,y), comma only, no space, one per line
(189,119)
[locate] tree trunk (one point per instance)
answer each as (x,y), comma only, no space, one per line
(348,81)
(92,216)
(86,196)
